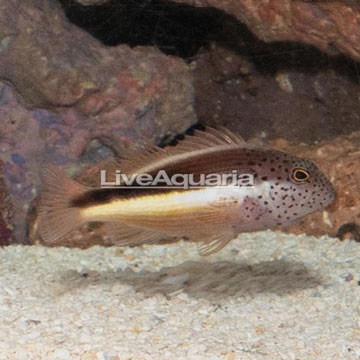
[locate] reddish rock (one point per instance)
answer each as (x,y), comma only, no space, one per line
(55,64)
(74,101)
(332,26)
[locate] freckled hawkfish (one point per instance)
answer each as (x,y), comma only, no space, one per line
(285,188)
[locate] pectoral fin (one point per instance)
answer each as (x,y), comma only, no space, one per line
(216,242)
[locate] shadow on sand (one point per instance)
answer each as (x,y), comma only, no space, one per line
(212,281)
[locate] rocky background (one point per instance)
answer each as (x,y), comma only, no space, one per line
(82,80)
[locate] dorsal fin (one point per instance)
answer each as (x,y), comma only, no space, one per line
(145,158)
(140,157)
(221,136)
(209,138)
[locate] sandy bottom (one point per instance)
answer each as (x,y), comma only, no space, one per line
(265,296)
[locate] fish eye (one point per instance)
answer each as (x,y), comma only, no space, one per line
(300,175)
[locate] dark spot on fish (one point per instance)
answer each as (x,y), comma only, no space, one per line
(251,163)
(272,169)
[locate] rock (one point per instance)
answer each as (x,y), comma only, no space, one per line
(74,101)
(301,96)
(331,26)
(5,215)
(65,66)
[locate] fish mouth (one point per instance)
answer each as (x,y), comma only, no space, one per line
(332,199)
(331,190)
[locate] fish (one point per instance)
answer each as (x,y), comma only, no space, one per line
(284,189)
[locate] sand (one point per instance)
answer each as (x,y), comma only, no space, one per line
(266,295)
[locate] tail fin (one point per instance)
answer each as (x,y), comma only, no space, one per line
(56,215)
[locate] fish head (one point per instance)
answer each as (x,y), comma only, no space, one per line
(295,187)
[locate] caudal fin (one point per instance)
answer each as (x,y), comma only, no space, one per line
(56,215)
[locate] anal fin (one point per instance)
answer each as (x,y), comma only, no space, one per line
(125,235)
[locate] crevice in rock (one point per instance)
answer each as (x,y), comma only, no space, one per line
(176,29)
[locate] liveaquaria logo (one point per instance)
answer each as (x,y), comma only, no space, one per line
(177,181)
